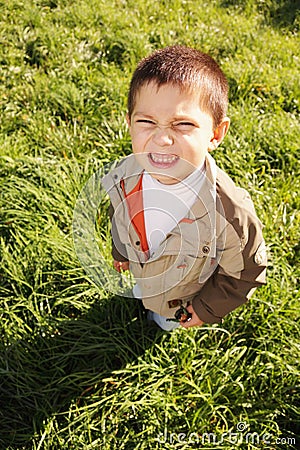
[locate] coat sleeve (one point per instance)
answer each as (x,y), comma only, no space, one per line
(241,269)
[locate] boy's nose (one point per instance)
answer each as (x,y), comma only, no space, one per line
(163,137)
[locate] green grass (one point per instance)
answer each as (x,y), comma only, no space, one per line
(81,368)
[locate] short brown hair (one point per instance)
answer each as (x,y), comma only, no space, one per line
(189,69)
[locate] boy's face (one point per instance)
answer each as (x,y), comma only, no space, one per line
(170,133)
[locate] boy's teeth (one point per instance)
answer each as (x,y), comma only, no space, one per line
(163,158)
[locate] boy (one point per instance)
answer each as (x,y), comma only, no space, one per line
(190,237)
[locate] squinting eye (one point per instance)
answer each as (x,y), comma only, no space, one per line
(184,125)
(145,121)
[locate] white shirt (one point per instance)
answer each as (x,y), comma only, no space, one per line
(166,204)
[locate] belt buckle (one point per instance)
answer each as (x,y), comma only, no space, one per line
(181,315)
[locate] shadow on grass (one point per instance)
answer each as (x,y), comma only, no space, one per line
(285,13)
(278,13)
(44,374)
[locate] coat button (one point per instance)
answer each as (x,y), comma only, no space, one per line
(137,243)
(205,249)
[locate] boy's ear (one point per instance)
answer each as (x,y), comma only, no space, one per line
(219,134)
(128,120)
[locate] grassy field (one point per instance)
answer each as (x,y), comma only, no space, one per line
(81,368)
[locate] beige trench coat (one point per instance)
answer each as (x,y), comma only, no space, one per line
(214,258)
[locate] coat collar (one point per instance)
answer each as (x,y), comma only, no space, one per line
(129,170)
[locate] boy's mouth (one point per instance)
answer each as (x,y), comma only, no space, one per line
(162,160)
